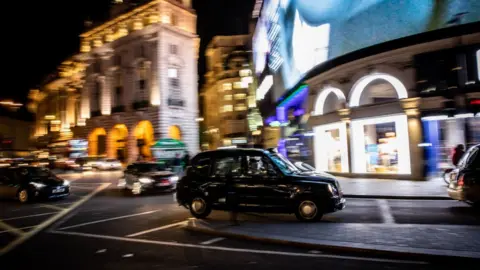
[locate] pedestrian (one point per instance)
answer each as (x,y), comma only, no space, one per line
(232,200)
(457,154)
(186,159)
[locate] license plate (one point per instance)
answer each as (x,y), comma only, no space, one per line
(163,184)
(58,190)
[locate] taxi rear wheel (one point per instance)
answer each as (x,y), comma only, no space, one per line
(308,210)
(200,208)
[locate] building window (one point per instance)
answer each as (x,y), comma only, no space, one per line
(245,73)
(118,89)
(117,60)
(172,73)
(142,82)
(240,96)
(174,19)
(173,49)
(332,139)
(226,86)
(227,108)
(140,51)
(96,96)
(240,107)
(227,97)
(238,85)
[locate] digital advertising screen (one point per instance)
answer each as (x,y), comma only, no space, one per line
(293,36)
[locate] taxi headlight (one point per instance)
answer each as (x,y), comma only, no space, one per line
(145,180)
(174,178)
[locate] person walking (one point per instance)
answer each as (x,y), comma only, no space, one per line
(457,154)
(232,200)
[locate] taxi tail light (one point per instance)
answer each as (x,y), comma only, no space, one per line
(460,181)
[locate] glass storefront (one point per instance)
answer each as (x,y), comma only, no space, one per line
(381,148)
(331,152)
(381,145)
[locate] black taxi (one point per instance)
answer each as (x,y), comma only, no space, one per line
(263,181)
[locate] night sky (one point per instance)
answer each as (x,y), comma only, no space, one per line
(41,34)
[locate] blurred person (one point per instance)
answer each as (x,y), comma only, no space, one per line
(186,159)
(232,200)
(457,154)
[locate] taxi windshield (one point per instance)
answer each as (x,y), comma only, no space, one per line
(283,163)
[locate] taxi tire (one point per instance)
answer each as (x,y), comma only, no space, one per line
(23,195)
(310,203)
(207,209)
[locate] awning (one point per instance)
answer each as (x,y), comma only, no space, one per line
(169,144)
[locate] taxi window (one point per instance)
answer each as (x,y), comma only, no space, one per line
(227,166)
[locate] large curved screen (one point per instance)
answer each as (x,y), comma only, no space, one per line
(293,36)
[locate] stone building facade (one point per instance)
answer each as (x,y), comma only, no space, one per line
(226,94)
(141,80)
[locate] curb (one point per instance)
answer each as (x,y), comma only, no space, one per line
(395,197)
(368,250)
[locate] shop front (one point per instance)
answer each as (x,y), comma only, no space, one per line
(374,132)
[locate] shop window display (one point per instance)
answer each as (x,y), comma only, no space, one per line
(331,152)
(381,148)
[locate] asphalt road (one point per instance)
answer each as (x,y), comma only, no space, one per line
(114,230)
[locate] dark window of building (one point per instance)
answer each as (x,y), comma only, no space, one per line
(173,49)
(117,61)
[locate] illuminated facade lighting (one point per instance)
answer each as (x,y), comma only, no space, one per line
(264,87)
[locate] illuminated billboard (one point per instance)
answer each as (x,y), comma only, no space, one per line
(293,36)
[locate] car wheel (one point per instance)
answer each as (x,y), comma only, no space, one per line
(200,208)
(23,196)
(308,210)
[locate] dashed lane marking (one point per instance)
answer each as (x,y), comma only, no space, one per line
(108,219)
(211,241)
(219,248)
(158,228)
(385,211)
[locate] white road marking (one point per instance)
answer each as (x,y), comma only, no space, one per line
(79,187)
(50,221)
(23,228)
(108,219)
(385,211)
(9,228)
(29,216)
(101,251)
(211,241)
(158,229)
(315,252)
(127,255)
(52,206)
(255,251)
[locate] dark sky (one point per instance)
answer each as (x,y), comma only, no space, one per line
(41,34)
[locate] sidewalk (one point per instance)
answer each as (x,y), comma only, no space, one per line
(434,188)
(405,240)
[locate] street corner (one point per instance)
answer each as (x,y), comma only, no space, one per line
(19,222)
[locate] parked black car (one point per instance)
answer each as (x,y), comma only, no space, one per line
(465,179)
(264,181)
(140,177)
(27,183)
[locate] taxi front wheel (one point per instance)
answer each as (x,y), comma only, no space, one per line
(200,208)
(308,210)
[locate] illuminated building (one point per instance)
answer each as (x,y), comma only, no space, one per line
(56,103)
(362,89)
(228,102)
(140,79)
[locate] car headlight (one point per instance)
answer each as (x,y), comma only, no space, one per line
(174,178)
(66,182)
(332,189)
(38,185)
(145,180)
